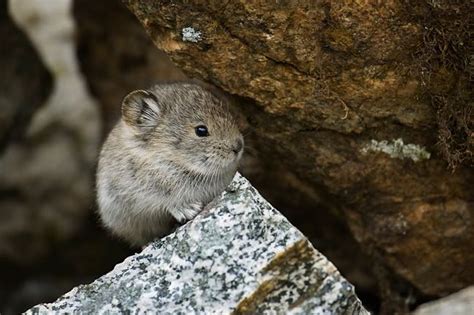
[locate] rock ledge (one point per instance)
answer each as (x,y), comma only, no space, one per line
(241,257)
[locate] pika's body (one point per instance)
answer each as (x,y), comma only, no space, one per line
(175,148)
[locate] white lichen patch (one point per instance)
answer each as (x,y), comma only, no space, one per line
(189,34)
(397,149)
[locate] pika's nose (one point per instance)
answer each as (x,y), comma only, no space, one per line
(238,146)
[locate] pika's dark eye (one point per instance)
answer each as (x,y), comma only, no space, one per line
(201,131)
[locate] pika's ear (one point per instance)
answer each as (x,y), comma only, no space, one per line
(140,109)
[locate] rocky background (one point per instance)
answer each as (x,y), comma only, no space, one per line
(51,131)
(358,119)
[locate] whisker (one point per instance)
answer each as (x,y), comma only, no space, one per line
(250,150)
(245,134)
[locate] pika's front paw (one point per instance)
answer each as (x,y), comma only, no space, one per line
(185,214)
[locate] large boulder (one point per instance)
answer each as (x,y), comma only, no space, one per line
(365,103)
(240,257)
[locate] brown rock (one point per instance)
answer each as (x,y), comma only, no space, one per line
(24,81)
(335,93)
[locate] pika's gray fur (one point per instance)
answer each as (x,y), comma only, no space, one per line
(154,167)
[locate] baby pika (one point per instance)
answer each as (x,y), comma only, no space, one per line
(175,148)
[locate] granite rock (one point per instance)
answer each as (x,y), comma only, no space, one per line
(240,257)
(459,303)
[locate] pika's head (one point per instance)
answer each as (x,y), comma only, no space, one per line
(185,124)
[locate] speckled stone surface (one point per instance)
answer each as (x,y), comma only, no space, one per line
(241,257)
(459,303)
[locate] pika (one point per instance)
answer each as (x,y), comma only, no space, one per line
(175,148)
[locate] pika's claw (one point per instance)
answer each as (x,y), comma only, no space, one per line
(211,205)
(185,214)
